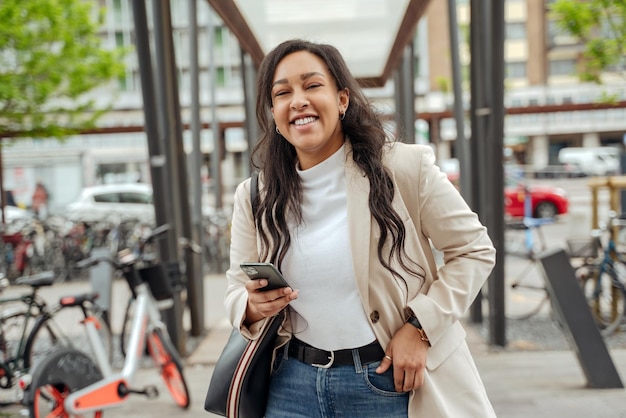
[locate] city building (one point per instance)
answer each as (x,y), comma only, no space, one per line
(547,107)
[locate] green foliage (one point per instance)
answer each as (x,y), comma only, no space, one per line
(50,57)
(443,84)
(600,25)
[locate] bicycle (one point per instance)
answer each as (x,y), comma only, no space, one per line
(69,383)
(29,330)
(528,293)
(170,275)
(603,278)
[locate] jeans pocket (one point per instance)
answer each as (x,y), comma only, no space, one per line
(381,384)
(279,361)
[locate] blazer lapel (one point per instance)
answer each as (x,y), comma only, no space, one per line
(359,221)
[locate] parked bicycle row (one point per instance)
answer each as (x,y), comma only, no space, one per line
(41,350)
(598,262)
(29,246)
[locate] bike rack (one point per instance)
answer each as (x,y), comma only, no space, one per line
(569,302)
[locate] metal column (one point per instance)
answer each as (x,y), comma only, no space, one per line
(171,137)
(487,113)
(194,271)
(405,96)
(249,94)
(216,155)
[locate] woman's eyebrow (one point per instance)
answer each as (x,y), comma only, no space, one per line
(311,74)
(302,77)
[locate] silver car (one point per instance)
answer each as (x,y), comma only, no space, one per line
(111,201)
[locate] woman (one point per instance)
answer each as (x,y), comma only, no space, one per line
(349,217)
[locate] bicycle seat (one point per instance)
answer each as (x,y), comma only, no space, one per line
(45,278)
(78,300)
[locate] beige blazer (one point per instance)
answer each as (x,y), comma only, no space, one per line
(434,213)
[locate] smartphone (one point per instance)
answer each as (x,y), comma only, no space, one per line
(265,271)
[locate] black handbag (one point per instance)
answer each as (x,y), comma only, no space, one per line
(240,383)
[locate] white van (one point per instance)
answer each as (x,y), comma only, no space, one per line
(593,161)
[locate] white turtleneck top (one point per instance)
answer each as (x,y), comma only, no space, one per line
(328,313)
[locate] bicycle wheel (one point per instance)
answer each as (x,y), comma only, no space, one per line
(46,337)
(13,322)
(11,330)
(55,378)
(166,356)
(528,294)
(606,300)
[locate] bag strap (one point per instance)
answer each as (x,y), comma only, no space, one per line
(254,191)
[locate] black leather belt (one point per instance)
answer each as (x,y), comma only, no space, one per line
(325,359)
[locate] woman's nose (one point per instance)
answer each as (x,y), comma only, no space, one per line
(299,100)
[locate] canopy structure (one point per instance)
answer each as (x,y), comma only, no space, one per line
(370,34)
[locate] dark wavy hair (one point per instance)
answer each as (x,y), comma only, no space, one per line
(275,158)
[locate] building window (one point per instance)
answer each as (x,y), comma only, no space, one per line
(122,83)
(119,39)
(557,37)
(562,67)
(119,13)
(220,76)
(516,30)
(516,69)
(218,37)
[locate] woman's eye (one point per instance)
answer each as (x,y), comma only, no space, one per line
(312,86)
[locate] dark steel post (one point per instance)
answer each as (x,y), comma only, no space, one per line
(172,138)
(461,145)
(248,73)
(405,96)
(216,155)
(3,197)
(495,217)
(194,271)
(158,166)
(477,81)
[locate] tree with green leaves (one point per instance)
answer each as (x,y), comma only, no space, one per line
(51,57)
(600,25)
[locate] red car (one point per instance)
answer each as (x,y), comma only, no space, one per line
(546,201)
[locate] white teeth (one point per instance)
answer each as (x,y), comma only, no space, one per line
(304,121)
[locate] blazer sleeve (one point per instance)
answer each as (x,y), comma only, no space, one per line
(444,220)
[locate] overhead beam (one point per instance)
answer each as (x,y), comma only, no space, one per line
(237,24)
(232,17)
(415,10)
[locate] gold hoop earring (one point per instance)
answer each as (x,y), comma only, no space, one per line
(277,131)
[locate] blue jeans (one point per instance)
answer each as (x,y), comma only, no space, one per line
(300,390)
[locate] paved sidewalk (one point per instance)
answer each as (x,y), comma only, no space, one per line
(520,383)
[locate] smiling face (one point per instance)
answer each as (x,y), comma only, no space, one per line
(307,106)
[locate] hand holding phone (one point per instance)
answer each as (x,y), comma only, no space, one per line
(268,271)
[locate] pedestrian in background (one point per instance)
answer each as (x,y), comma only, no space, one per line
(348,216)
(39,203)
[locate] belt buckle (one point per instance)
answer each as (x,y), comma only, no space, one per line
(327,365)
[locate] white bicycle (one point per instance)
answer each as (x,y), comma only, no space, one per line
(70,384)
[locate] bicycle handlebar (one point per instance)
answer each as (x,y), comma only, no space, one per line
(118,263)
(90,262)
